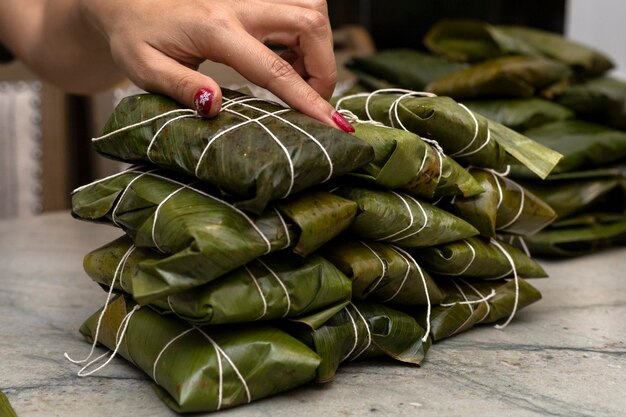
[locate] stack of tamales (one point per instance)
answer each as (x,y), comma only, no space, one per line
(262,249)
(549,88)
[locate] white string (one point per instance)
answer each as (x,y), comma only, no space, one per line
(282,221)
(367,328)
(119,337)
(480,300)
(258,287)
(143,122)
(116,274)
(428,303)
(353,118)
(466,266)
(158,358)
(404,279)
(521,205)
(523,245)
(460,153)
(124,260)
(121,197)
(411,219)
(413,233)
(382,263)
(481,295)
(153,140)
(287,297)
(515,278)
(356,335)
(471,308)
(98,181)
(156,215)
(219,351)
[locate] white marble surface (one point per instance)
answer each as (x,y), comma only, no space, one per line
(564,356)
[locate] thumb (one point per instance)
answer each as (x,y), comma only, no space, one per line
(185,85)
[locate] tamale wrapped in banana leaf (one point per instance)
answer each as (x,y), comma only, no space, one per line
(200,369)
(364,331)
(402,160)
(465,136)
(505,207)
(478,258)
(277,285)
(391,217)
(473,40)
(520,114)
(405,68)
(382,273)
(601,100)
(254,149)
(204,236)
(468,303)
(583,145)
(511,76)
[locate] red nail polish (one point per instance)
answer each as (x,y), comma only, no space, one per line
(342,123)
(203,99)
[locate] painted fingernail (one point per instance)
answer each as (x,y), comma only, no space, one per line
(203,99)
(342,123)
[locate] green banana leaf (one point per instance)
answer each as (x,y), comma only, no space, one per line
(200,369)
(601,100)
(402,160)
(470,303)
(583,145)
(5,407)
(512,76)
(254,149)
(204,236)
(473,40)
(505,206)
(405,68)
(478,258)
(364,331)
(391,217)
(520,114)
(382,273)
(578,240)
(467,137)
(590,218)
(277,285)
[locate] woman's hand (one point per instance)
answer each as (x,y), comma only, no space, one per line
(159,44)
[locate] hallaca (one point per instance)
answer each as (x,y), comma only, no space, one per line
(513,76)
(473,40)
(468,303)
(204,235)
(382,273)
(391,217)
(364,331)
(465,136)
(504,207)
(255,150)
(200,369)
(277,285)
(601,100)
(402,160)
(520,114)
(478,258)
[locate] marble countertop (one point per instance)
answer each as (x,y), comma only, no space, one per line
(564,356)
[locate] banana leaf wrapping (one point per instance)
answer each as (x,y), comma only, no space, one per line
(473,40)
(277,285)
(405,68)
(364,331)
(478,258)
(199,369)
(382,273)
(6,410)
(601,100)
(580,235)
(512,76)
(520,114)
(204,236)
(255,150)
(400,219)
(470,303)
(504,207)
(583,145)
(402,160)
(467,137)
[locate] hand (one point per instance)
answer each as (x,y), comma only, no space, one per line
(160,43)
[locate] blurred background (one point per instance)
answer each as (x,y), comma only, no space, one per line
(45,134)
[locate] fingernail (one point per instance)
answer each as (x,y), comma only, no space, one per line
(203,99)
(342,123)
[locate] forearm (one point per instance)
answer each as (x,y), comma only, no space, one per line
(53,39)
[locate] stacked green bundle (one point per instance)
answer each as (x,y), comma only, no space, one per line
(506,73)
